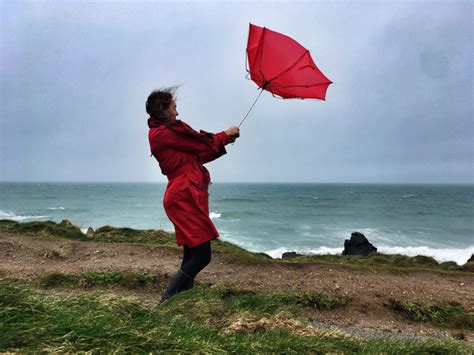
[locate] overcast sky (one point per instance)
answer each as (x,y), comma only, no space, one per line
(75,77)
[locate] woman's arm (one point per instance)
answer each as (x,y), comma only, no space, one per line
(220,140)
(217,150)
(165,138)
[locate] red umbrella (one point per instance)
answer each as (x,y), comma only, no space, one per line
(282,66)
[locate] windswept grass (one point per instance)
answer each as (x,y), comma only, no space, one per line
(235,254)
(382,261)
(242,298)
(47,229)
(452,315)
(111,234)
(197,321)
(129,280)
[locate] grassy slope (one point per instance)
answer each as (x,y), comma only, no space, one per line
(199,320)
(202,319)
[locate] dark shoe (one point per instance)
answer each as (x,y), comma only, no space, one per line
(177,283)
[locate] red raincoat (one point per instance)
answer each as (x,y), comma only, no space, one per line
(181,153)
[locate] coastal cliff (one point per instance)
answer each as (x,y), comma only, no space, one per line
(245,300)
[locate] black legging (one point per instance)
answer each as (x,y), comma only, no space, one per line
(195,259)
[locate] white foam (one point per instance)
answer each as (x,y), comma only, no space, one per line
(214,215)
(14,217)
(459,256)
(56,208)
(277,253)
(231,220)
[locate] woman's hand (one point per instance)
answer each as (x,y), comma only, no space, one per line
(233,133)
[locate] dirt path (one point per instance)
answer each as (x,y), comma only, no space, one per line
(31,257)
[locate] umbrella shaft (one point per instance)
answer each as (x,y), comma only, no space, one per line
(251,107)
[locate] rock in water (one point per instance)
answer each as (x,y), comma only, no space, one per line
(358,245)
(290,255)
(90,233)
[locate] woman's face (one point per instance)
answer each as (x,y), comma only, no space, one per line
(171,113)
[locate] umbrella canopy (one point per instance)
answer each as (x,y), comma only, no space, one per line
(282,66)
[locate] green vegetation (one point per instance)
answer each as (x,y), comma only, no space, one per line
(129,280)
(235,254)
(42,229)
(196,321)
(382,261)
(247,299)
(452,314)
(57,279)
(111,234)
(230,252)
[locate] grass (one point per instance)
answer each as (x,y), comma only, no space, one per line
(129,280)
(450,315)
(230,252)
(246,299)
(48,229)
(196,321)
(383,260)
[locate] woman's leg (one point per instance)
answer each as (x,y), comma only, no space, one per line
(186,254)
(186,257)
(200,258)
(184,278)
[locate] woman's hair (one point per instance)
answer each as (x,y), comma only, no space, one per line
(159,101)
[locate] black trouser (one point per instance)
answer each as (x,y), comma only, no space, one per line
(195,259)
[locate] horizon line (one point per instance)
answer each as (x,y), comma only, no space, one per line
(243,182)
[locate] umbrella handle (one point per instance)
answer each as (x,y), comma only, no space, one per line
(251,107)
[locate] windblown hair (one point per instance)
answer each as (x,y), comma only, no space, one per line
(159,101)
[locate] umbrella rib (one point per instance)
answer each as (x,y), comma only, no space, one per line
(260,46)
(291,67)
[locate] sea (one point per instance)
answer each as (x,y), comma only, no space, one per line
(273,218)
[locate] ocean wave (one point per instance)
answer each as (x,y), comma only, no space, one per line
(230,220)
(14,217)
(214,215)
(459,256)
(56,208)
(277,253)
(237,199)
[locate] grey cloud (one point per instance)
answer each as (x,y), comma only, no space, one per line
(75,77)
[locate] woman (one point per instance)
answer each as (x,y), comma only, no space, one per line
(181,153)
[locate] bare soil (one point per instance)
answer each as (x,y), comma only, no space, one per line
(30,258)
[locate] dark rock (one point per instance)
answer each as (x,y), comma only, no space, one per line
(358,245)
(290,255)
(469,266)
(90,233)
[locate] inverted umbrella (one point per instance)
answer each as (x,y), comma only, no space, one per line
(282,66)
